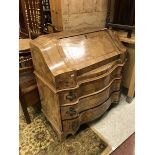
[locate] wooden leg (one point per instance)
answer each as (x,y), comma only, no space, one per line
(24,108)
(131,89)
(129,99)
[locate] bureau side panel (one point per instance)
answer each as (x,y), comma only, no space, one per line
(50,105)
(40,66)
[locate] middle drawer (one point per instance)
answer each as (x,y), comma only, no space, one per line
(72,110)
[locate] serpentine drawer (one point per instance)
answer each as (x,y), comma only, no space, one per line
(72,110)
(90,85)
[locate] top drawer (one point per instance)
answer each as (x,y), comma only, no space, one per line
(100,71)
(91,82)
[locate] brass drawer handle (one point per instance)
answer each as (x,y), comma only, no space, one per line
(71,96)
(71,111)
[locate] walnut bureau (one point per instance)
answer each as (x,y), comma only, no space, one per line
(78,76)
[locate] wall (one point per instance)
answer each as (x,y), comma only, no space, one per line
(78,14)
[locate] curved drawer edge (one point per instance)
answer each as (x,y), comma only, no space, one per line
(92,79)
(73,111)
(97,92)
(71,126)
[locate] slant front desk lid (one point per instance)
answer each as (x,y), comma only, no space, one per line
(71,51)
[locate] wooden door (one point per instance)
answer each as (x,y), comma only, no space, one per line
(56,14)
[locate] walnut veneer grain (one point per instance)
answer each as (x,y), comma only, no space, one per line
(78,76)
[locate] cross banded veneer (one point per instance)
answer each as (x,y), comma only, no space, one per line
(78,76)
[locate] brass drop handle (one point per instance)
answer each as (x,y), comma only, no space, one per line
(71,96)
(71,111)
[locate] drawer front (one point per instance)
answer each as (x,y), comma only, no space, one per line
(73,110)
(86,88)
(99,71)
(71,126)
(67,80)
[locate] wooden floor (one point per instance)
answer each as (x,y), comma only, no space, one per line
(127,147)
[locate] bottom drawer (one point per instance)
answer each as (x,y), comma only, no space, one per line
(70,126)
